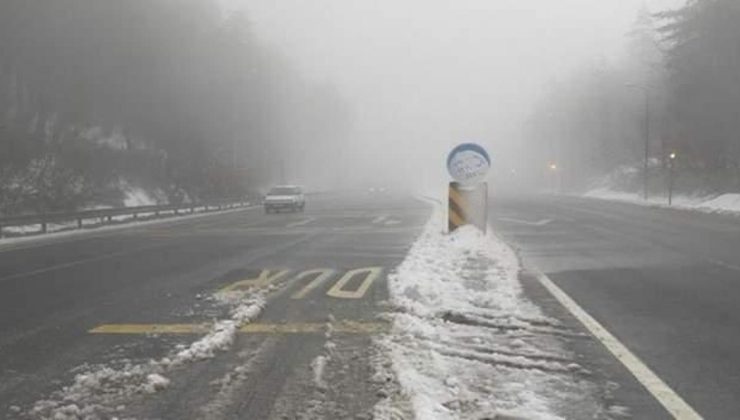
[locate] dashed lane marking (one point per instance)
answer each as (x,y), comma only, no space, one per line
(301,222)
(541,222)
(668,398)
(341,327)
(378,220)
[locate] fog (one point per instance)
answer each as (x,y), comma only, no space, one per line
(421,76)
(106,103)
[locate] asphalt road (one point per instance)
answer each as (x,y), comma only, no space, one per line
(665,282)
(54,292)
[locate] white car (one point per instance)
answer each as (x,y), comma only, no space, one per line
(284,197)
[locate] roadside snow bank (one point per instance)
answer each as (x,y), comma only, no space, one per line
(137,197)
(101,391)
(724,203)
(465,343)
(69,229)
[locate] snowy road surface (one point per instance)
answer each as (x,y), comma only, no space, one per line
(239,315)
(664,282)
(358,308)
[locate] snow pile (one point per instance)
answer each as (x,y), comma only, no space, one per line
(22,230)
(155,382)
(222,334)
(465,343)
(319,363)
(729,203)
(101,391)
(317,366)
(137,197)
(625,184)
(723,203)
(134,195)
(36,229)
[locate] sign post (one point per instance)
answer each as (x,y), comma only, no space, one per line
(468,164)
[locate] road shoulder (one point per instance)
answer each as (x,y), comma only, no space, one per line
(617,388)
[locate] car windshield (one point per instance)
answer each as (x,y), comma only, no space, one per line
(284,191)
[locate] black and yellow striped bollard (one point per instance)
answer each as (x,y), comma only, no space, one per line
(467,205)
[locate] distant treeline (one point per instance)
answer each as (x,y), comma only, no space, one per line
(682,69)
(167,95)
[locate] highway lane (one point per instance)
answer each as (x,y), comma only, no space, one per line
(333,259)
(665,282)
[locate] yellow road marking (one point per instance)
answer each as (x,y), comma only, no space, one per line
(371,273)
(343,327)
(263,279)
(292,328)
(456,219)
(150,329)
(323,274)
(459,200)
(359,327)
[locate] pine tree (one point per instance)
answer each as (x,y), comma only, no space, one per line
(703,56)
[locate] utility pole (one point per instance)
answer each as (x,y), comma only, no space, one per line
(672,162)
(647,145)
(645,164)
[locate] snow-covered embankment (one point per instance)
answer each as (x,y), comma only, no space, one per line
(728,203)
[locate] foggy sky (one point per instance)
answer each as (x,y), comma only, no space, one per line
(423,75)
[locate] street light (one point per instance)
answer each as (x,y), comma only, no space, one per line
(646,90)
(555,176)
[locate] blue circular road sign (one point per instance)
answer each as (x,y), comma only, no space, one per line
(468,163)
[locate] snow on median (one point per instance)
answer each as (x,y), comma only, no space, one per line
(101,391)
(465,342)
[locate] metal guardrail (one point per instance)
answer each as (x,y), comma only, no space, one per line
(106,215)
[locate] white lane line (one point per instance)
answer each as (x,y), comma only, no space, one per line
(301,222)
(378,220)
(78,262)
(668,398)
(542,222)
